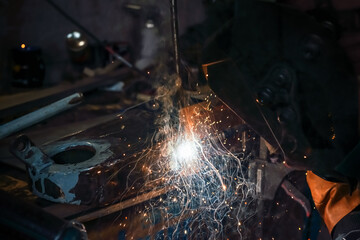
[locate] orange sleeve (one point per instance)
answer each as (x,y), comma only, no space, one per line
(332,200)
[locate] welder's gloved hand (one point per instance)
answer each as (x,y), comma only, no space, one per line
(335,202)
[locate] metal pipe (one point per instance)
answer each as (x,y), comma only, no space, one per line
(39,115)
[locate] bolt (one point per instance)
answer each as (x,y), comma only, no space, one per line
(282,76)
(312,47)
(265,96)
(286,115)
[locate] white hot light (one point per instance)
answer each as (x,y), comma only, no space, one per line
(77,35)
(81,43)
(183,155)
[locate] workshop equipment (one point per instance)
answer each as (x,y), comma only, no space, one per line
(77,46)
(269,177)
(285,74)
(149,16)
(94,37)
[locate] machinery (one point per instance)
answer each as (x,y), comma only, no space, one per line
(288,78)
(284,73)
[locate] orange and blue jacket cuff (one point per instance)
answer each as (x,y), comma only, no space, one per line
(332,200)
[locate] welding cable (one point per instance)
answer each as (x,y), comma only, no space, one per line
(90,34)
(297,196)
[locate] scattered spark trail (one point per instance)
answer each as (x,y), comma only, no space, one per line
(199,154)
(202,158)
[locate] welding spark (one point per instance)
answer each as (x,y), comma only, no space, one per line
(190,155)
(183,155)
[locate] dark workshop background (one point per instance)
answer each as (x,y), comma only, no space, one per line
(36,23)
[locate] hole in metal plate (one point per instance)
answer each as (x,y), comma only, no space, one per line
(74,154)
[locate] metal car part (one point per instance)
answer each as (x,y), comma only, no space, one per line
(89,167)
(55,171)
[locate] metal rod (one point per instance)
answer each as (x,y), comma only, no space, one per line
(175,34)
(123,205)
